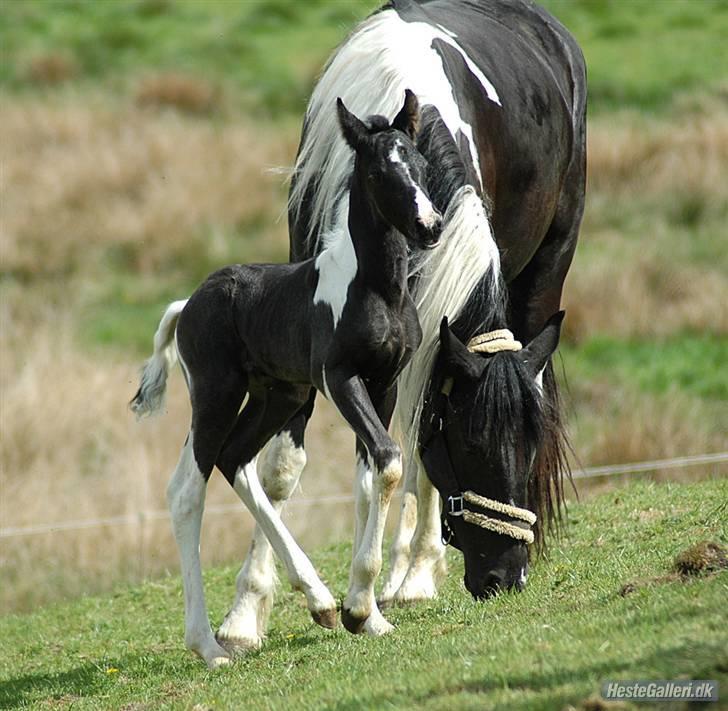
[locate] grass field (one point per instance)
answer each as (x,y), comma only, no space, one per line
(547,648)
(138,142)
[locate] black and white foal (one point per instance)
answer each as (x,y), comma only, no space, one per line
(344,323)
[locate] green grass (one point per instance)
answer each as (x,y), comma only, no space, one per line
(693,363)
(641,53)
(266,53)
(549,646)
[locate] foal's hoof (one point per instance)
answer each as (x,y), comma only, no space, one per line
(354,624)
(325,618)
(237,646)
(218,663)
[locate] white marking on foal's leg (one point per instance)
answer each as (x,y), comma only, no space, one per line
(427,558)
(300,571)
(186,500)
(375,624)
(400,550)
(245,625)
(360,603)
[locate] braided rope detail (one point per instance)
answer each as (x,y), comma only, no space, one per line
(498,526)
(506,509)
(494,342)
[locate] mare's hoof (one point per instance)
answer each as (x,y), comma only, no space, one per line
(354,624)
(326,618)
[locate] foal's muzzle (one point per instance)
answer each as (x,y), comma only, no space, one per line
(428,233)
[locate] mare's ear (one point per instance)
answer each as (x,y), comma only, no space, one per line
(408,118)
(540,349)
(354,131)
(456,359)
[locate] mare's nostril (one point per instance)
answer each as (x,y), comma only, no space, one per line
(491,584)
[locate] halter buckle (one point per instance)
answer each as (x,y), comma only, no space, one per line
(455,505)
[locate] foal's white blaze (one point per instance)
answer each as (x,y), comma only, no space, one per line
(337,267)
(426,213)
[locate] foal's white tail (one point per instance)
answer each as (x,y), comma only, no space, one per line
(149,397)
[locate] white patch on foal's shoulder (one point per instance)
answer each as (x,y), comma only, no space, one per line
(336,267)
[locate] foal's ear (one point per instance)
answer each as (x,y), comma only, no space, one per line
(408,118)
(457,360)
(353,130)
(540,349)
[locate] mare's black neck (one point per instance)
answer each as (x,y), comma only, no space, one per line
(381,250)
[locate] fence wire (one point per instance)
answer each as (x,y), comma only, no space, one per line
(141,517)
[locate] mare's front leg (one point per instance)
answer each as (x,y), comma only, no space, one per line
(427,565)
(360,612)
(280,466)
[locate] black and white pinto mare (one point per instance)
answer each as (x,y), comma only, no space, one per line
(502,87)
(271,332)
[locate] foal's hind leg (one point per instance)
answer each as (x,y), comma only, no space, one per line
(280,465)
(211,420)
(265,414)
(186,500)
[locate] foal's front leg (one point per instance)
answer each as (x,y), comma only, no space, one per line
(360,612)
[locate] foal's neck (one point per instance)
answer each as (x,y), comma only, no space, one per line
(381,250)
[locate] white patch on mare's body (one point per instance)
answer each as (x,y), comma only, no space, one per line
(370,72)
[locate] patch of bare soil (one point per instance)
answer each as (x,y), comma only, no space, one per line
(700,559)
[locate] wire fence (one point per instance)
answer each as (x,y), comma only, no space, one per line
(142,517)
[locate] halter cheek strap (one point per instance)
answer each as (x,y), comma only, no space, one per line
(436,458)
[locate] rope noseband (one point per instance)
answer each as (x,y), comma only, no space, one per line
(442,475)
(519,531)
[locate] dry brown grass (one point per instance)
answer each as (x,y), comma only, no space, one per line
(79,178)
(617,425)
(668,177)
(180,91)
(633,155)
(51,68)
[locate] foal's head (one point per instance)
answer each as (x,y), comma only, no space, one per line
(493,425)
(393,171)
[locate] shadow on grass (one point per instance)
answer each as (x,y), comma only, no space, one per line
(82,682)
(565,685)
